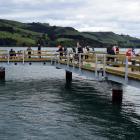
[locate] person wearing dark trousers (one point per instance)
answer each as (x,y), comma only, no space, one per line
(39,50)
(29,50)
(110,51)
(60,50)
(79,51)
(12,54)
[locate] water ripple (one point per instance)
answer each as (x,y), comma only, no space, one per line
(39,107)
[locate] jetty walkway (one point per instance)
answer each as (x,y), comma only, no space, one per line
(97,62)
(95,65)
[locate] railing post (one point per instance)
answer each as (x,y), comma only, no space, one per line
(68,59)
(59,58)
(79,61)
(73,60)
(23,55)
(52,59)
(96,61)
(104,66)
(56,59)
(126,70)
(8,58)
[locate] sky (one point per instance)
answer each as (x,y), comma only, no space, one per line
(119,16)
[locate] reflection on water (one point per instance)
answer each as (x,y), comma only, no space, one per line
(36,103)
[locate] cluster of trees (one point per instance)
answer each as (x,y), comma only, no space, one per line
(7,42)
(14,33)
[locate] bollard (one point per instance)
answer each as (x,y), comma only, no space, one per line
(2,73)
(68,76)
(117,92)
(117,95)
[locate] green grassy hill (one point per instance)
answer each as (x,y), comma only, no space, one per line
(13,33)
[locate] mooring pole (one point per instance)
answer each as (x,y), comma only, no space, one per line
(96,64)
(117,93)
(2,73)
(68,76)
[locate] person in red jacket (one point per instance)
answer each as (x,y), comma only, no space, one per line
(129,54)
(117,50)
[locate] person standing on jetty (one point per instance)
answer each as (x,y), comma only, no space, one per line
(86,51)
(29,50)
(60,50)
(12,54)
(79,50)
(110,51)
(39,50)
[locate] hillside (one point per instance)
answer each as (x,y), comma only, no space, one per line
(13,33)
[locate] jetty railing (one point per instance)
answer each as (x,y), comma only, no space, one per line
(120,64)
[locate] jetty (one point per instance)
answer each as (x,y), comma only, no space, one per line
(117,69)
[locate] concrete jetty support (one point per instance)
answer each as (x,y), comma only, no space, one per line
(2,73)
(117,93)
(68,76)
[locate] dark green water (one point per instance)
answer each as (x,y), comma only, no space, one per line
(36,104)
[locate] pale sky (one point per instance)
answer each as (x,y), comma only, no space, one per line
(119,16)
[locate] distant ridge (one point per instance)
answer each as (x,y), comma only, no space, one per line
(14,33)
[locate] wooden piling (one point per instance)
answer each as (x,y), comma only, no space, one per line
(68,76)
(117,95)
(2,73)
